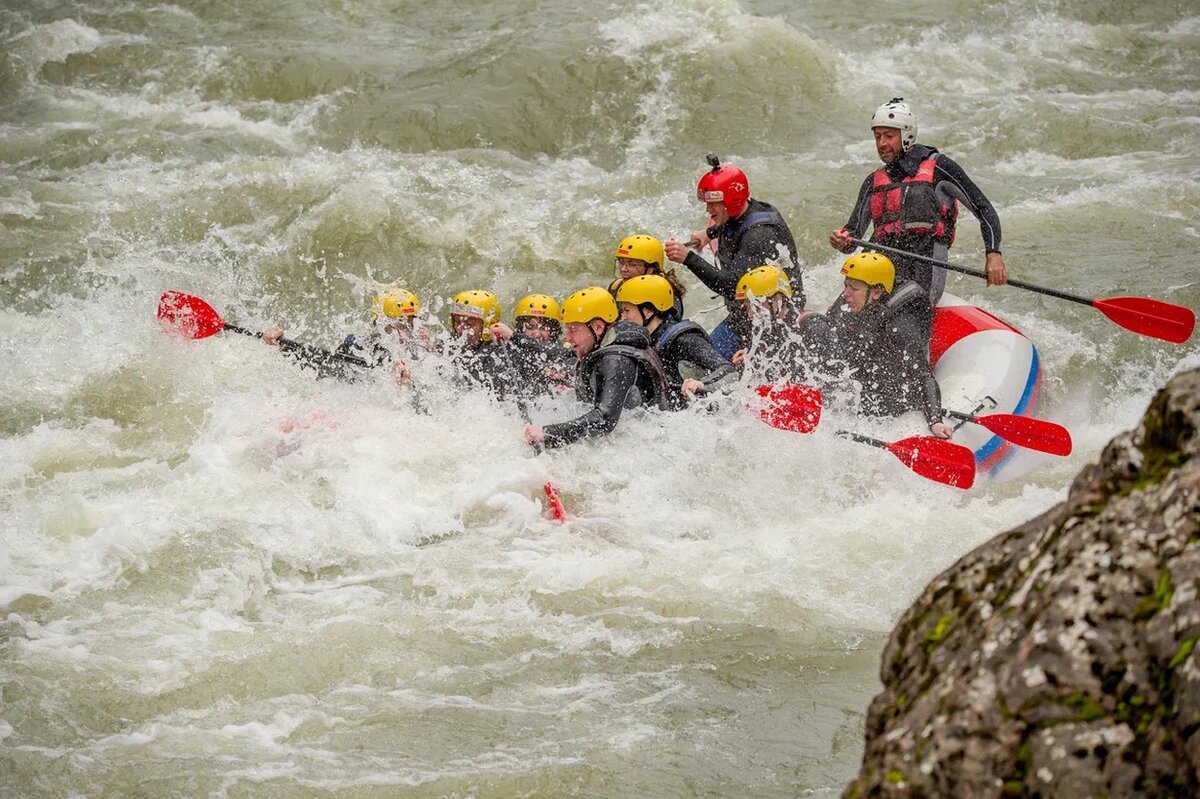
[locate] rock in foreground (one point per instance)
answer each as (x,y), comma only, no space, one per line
(1057,659)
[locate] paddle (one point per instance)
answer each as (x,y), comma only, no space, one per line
(194,318)
(790,407)
(556,507)
(1153,318)
(934,458)
(1023,430)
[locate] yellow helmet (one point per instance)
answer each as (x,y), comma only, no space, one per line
(541,306)
(654,289)
(871,268)
(478,305)
(641,247)
(762,282)
(587,304)
(396,303)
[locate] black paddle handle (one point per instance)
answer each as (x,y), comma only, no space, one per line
(308,350)
(860,438)
(966,270)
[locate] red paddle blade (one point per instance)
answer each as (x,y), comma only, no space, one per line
(1153,318)
(189,316)
(1028,432)
(556,506)
(791,407)
(937,459)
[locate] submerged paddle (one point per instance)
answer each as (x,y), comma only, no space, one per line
(194,318)
(790,407)
(1024,431)
(934,458)
(1153,318)
(548,488)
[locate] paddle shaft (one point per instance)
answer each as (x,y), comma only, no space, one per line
(966,270)
(860,438)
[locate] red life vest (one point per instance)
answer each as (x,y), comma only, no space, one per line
(911,205)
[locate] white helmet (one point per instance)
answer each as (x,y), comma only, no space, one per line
(896,114)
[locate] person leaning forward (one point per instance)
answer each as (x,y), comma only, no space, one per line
(691,362)
(912,203)
(884,345)
(744,233)
(617,368)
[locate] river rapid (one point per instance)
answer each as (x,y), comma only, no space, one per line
(220,577)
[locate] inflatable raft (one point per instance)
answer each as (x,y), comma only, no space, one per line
(983,365)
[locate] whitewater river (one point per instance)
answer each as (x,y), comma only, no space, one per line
(220,577)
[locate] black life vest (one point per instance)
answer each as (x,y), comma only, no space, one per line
(648,362)
(758,213)
(674,330)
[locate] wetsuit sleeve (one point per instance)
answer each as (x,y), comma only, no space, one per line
(860,217)
(697,348)
(950,178)
(759,245)
(343,363)
(616,374)
(914,353)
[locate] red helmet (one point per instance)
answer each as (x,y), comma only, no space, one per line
(726,184)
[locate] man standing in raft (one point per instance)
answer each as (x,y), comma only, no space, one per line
(744,233)
(617,369)
(912,202)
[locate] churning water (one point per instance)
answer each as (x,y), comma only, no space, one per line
(220,577)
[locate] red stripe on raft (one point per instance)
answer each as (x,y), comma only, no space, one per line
(953,323)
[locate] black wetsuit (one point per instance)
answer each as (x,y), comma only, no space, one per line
(484,366)
(759,236)
(789,350)
(623,371)
(952,185)
(687,351)
(887,351)
(536,365)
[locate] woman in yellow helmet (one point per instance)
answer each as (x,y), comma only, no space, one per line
(617,369)
(639,255)
(877,328)
(542,364)
(692,363)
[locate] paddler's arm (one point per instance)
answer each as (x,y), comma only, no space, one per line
(759,246)
(323,362)
(616,375)
(915,365)
(699,350)
(948,172)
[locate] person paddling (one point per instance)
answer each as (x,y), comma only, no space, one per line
(617,369)
(394,338)
(912,203)
(884,344)
(542,364)
(691,362)
(744,233)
